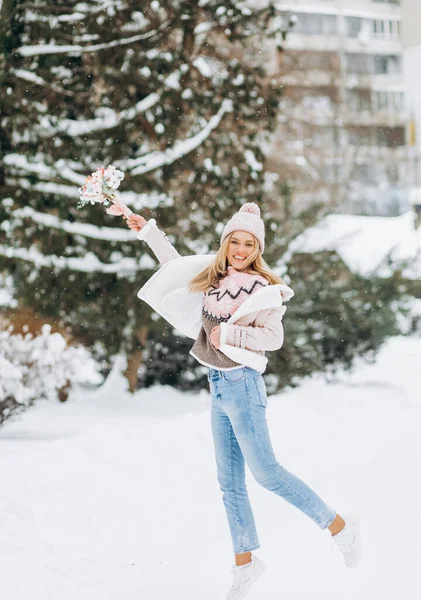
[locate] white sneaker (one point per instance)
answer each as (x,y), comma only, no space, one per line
(349,541)
(244,577)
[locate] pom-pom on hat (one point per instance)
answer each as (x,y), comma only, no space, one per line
(247,219)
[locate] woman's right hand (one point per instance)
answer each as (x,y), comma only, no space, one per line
(135,222)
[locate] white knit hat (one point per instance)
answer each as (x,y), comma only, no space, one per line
(247,219)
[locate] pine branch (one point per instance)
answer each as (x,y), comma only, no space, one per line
(32,78)
(155,160)
(77,50)
(109,234)
(60,169)
(75,128)
(88,264)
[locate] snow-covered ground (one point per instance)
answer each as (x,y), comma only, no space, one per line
(113,496)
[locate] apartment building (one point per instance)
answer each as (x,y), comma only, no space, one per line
(342,139)
(411,37)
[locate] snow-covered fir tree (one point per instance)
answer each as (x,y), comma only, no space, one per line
(339,316)
(174,94)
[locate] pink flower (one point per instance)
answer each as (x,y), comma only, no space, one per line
(100,187)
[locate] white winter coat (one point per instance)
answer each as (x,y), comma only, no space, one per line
(167,293)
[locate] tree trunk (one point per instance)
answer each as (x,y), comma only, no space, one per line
(135,359)
(133,364)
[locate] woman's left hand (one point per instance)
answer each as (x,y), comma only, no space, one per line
(215,337)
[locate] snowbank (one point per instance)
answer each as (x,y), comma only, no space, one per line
(365,243)
(32,368)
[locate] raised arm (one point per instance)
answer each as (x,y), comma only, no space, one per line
(154,237)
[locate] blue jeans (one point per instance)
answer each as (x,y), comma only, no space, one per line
(240,434)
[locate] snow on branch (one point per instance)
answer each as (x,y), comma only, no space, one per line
(77,50)
(46,187)
(155,160)
(21,162)
(88,264)
(60,168)
(65,171)
(111,234)
(148,200)
(109,119)
(31,77)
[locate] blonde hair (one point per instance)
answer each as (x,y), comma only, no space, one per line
(219,268)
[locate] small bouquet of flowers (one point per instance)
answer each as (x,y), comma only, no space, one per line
(100,187)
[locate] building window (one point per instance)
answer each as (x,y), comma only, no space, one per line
(318,61)
(390,101)
(359,136)
(358,100)
(398,101)
(316,24)
(387,64)
(381,100)
(386,29)
(379,64)
(361,64)
(353,26)
(391,136)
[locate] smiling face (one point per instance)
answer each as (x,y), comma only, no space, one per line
(240,247)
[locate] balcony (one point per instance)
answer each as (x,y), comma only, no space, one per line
(373,45)
(370,118)
(320,43)
(334,43)
(365,8)
(367,153)
(348,117)
(359,154)
(326,79)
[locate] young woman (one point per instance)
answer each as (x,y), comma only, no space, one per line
(231,304)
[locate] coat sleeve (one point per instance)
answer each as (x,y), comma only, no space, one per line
(158,242)
(269,336)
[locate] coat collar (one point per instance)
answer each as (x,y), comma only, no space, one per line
(270,296)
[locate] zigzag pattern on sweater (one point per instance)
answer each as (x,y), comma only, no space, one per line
(214,318)
(217,292)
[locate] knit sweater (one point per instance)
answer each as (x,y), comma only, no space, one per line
(219,303)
